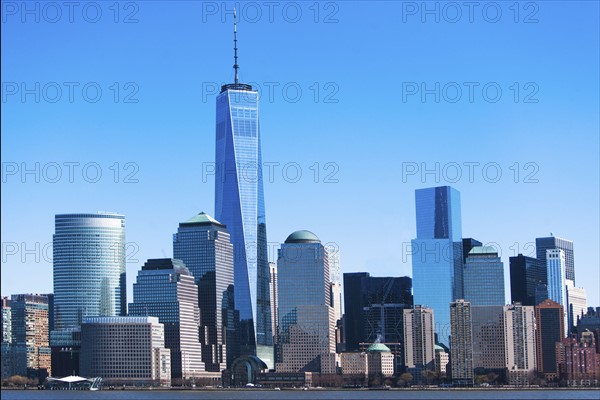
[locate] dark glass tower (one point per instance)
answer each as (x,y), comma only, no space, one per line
(437,255)
(552,242)
(526,275)
(240,205)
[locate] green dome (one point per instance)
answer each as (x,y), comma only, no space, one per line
(379,347)
(439,348)
(302,237)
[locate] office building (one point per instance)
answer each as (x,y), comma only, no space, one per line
(483,277)
(273,294)
(557,283)
(165,289)
(203,244)
(380,360)
(442,359)
(519,343)
(461,343)
(306,317)
(526,274)
(6,361)
(549,319)
(125,351)
(419,341)
(240,205)
(576,305)
(488,339)
(437,255)
(552,242)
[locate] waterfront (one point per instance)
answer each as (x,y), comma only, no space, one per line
(472,394)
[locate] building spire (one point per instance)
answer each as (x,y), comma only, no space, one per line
(235,56)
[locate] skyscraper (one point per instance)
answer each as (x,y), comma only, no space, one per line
(89,267)
(273,294)
(488,338)
(461,343)
(6,350)
(519,342)
(526,274)
(553,242)
(437,259)
(549,319)
(165,289)
(203,244)
(576,305)
(419,342)
(240,205)
(557,284)
(483,277)
(306,317)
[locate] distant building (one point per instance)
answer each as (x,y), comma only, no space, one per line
(483,277)
(576,305)
(306,316)
(557,283)
(590,322)
(419,341)
(442,359)
(519,343)
(204,245)
(273,294)
(578,360)
(437,255)
(354,363)
(381,360)
(6,336)
(461,343)
(125,350)
(165,289)
(526,274)
(552,242)
(29,324)
(549,317)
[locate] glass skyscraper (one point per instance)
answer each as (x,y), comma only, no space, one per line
(552,242)
(483,277)
(306,316)
(437,258)
(89,267)
(239,204)
(203,244)
(526,275)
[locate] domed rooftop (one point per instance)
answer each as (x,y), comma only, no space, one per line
(302,237)
(379,347)
(439,348)
(202,219)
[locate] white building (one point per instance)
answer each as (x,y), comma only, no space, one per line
(576,304)
(519,343)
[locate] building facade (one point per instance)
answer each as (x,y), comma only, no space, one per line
(557,282)
(273,294)
(526,274)
(240,205)
(546,243)
(306,316)
(483,277)
(461,343)
(578,360)
(204,245)
(488,339)
(437,256)
(419,340)
(165,289)
(519,343)
(5,359)
(550,328)
(125,350)
(576,305)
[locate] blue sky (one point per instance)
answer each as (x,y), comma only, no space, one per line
(361,120)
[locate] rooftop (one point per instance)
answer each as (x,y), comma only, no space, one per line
(202,219)
(302,236)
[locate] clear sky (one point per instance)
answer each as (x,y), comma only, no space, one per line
(369,94)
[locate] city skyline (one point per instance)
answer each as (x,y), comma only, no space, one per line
(486,206)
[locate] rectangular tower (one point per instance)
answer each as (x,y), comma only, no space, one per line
(483,277)
(526,275)
(461,343)
(553,242)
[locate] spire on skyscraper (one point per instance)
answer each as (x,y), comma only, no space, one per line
(235,57)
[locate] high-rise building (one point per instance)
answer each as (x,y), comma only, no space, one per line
(125,350)
(419,341)
(89,279)
(519,342)
(549,319)
(526,274)
(552,242)
(461,343)
(29,325)
(576,305)
(306,317)
(240,205)
(557,283)
(203,244)
(468,244)
(483,277)
(165,289)
(437,256)
(488,339)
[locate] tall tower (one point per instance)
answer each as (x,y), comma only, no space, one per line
(461,343)
(552,242)
(483,277)
(419,342)
(202,243)
(239,204)
(437,256)
(306,316)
